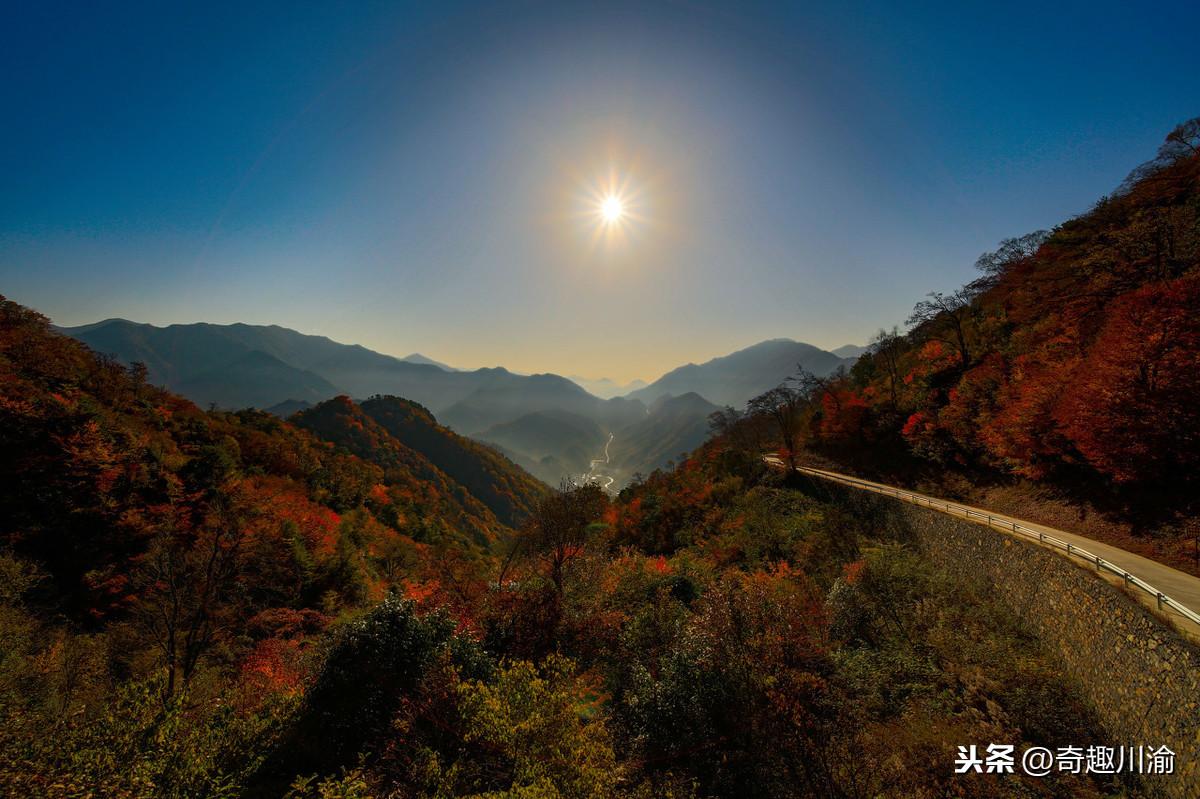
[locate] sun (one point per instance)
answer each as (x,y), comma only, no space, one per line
(612,209)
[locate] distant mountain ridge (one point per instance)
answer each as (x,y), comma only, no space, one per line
(606,388)
(850,351)
(504,400)
(255,380)
(736,378)
(416,357)
(242,365)
(550,425)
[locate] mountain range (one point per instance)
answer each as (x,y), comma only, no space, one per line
(735,378)
(549,424)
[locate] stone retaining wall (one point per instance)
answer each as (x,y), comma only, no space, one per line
(1140,675)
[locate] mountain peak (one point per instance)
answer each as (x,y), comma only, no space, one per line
(103,323)
(735,378)
(850,351)
(416,357)
(688,402)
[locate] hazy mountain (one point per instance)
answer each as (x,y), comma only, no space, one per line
(549,425)
(674,426)
(253,365)
(364,373)
(178,353)
(507,397)
(733,379)
(549,444)
(417,357)
(172,354)
(555,444)
(254,379)
(286,408)
(850,350)
(606,388)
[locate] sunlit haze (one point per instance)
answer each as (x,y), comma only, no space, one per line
(608,190)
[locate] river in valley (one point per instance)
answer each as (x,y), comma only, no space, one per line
(596,471)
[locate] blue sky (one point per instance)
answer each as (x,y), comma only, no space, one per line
(418,176)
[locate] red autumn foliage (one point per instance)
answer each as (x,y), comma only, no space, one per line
(852,572)
(1133,411)
(273,666)
(1084,347)
(844,413)
(222,538)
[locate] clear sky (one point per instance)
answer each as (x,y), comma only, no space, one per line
(419,176)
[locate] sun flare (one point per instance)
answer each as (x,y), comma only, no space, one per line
(612,209)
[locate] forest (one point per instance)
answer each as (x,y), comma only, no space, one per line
(202,603)
(1068,371)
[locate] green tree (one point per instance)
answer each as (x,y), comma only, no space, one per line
(531,739)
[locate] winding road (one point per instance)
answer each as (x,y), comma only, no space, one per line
(1175,593)
(595,477)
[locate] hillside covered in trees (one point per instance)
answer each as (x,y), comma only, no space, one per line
(224,604)
(1072,364)
(162,550)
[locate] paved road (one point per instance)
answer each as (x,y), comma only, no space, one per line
(1181,588)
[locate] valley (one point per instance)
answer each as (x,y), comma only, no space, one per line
(598,467)
(549,425)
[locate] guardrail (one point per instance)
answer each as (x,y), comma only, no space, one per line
(1008,525)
